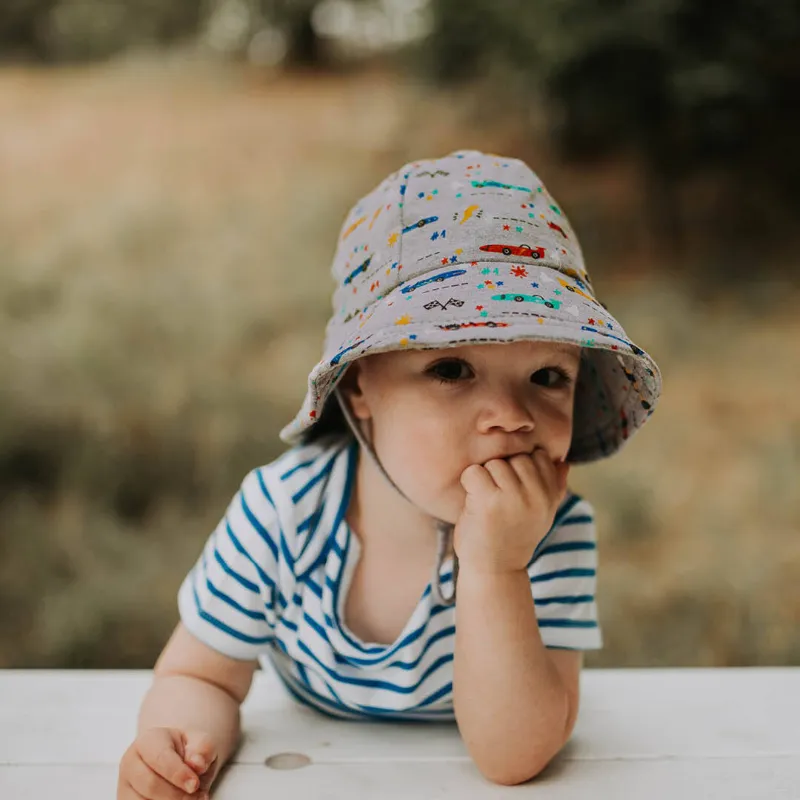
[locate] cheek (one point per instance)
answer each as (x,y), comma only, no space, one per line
(423,444)
(557,422)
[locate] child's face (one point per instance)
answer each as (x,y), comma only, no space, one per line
(431,413)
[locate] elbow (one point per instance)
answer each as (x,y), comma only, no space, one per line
(512,770)
(512,775)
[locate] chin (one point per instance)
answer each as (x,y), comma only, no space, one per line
(448,506)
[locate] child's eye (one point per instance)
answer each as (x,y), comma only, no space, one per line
(450,371)
(551,378)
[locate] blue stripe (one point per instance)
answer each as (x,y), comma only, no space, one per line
(242,637)
(583,519)
(351,450)
(562,512)
(567,547)
(338,712)
(318,562)
(301,493)
(404,665)
(309,521)
(318,628)
(301,465)
(563,573)
(310,524)
(376,684)
(262,531)
(249,585)
(565,508)
(284,546)
(287,555)
(566,623)
(575,598)
(303,674)
(229,600)
(264,489)
(337,548)
(238,545)
(448,687)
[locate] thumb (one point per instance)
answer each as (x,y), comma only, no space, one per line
(199,751)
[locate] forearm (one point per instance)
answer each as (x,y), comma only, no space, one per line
(185,702)
(512,708)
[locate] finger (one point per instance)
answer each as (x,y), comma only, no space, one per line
(526,469)
(199,751)
(503,474)
(158,752)
(147,783)
(476,480)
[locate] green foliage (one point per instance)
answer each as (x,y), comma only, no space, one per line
(683,82)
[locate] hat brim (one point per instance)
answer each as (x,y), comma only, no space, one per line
(618,385)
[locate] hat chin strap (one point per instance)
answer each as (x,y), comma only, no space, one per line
(444,530)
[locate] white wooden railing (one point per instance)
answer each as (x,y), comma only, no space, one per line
(649,734)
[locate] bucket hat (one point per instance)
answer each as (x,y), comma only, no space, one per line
(472,248)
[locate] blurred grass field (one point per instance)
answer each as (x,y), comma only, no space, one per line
(166,231)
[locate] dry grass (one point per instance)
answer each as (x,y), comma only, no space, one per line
(164,286)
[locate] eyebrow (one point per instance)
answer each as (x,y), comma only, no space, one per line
(567,350)
(558,347)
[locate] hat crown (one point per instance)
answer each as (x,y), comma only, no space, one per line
(454,211)
(471,247)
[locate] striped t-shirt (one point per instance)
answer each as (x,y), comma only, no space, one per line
(271,583)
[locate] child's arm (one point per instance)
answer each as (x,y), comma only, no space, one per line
(516,701)
(196,691)
(196,687)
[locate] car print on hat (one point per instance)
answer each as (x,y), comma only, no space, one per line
(357,271)
(576,290)
(419,224)
(438,279)
(523,250)
(454,326)
(528,298)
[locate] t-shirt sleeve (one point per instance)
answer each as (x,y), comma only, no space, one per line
(563,575)
(228,598)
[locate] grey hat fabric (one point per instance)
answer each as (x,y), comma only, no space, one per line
(471,248)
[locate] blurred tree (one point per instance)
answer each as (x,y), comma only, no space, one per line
(62,30)
(21,27)
(70,30)
(686,84)
(296,19)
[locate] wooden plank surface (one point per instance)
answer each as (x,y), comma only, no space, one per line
(764,778)
(701,732)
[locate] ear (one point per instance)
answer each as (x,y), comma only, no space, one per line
(352,390)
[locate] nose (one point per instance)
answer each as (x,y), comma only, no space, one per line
(505,411)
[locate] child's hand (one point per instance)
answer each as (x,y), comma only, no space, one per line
(509,508)
(167,763)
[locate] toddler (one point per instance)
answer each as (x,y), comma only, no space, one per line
(415,554)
